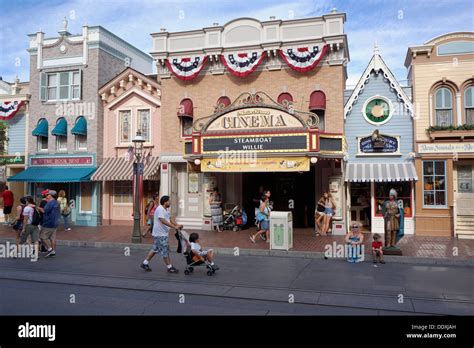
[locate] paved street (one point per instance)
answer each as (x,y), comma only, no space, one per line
(105,281)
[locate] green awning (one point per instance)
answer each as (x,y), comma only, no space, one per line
(60,128)
(80,128)
(54,174)
(41,129)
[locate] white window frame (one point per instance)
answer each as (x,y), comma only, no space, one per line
(445,206)
(149,122)
(77,143)
(466,107)
(39,148)
(119,127)
(58,85)
(80,200)
(181,127)
(115,183)
(443,108)
(59,141)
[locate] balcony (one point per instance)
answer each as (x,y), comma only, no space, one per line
(465,131)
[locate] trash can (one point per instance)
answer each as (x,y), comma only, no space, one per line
(281,230)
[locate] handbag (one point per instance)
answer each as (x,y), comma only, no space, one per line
(18,226)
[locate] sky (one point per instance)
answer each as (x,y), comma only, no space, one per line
(392,24)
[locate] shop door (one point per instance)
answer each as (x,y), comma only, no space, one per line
(361,203)
(465,191)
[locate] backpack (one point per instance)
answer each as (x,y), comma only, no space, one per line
(36,220)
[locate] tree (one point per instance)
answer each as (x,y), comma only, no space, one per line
(3,137)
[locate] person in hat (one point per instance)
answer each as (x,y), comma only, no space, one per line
(50,223)
(393,220)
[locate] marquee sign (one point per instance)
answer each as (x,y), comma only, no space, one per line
(255,119)
(258,143)
(382,144)
(255,164)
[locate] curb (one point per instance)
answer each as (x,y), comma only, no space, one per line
(261,252)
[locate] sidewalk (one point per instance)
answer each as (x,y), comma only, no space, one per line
(305,241)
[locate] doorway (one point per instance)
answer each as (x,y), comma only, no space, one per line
(361,203)
(465,190)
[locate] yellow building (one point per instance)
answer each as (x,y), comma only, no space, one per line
(441,72)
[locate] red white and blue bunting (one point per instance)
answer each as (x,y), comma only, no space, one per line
(242,63)
(303,58)
(186,68)
(9,109)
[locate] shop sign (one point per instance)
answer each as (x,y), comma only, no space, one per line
(12,160)
(254,119)
(381,144)
(62,161)
(446,147)
(258,143)
(259,164)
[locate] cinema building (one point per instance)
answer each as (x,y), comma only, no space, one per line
(252,103)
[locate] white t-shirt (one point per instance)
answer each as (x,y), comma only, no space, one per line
(195,246)
(28,211)
(160,229)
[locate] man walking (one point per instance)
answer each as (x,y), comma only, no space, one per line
(50,223)
(30,225)
(162,222)
(7,204)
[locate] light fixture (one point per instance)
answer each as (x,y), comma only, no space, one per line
(314,160)
(197,161)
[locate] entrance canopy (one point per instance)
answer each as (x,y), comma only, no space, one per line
(119,169)
(54,174)
(366,172)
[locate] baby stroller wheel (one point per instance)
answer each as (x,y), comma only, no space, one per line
(209,273)
(191,269)
(186,272)
(235,228)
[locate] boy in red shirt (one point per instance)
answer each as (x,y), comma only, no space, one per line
(7,204)
(377,249)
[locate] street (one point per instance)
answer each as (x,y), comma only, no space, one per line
(104,281)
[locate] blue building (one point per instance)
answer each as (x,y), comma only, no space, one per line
(378,124)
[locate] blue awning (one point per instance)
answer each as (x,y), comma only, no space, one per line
(60,128)
(54,174)
(41,129)
(80,128)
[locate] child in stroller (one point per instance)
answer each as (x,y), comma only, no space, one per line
(235,218)
(195,255)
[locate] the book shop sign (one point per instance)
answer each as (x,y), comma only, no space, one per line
(446,147)
(62,161)
(293,142)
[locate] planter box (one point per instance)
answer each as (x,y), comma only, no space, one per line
(440,134)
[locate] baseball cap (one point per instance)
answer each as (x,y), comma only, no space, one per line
(52,193)
(44,192)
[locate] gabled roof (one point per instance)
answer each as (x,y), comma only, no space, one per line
(377,65)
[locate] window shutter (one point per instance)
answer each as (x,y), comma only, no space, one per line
(80,84)
(43,78)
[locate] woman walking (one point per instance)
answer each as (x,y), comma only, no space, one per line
(329,207)
(150,212)
(64,208)
(215,200)
(18,225)
(263,217)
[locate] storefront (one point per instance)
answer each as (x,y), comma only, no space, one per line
(251,143)
(379,157)
(70,173)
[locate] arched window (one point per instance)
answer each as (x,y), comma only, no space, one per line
(185,114)
(60,131)
(443,107)
(469,105)
(285,97)
(317,105)
(186,108)
(41,134)
(225,101)
(80,132)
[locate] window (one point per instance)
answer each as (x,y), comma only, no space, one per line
(144,123)
(42,143)
(434,183)
(444,107)
(186,126)
(123,192)
(469,105)
(65,85)
(61,143)
(86,197)
(81,142)
(317,105)
(403,189)
(125,118)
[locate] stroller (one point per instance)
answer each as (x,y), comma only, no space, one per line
(234,218)
(184,247)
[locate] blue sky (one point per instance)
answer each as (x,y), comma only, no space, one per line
(393,24)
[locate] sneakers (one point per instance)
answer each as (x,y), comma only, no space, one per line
(51,253)
(145,267)
(252,238)
(172,270)
(382,261)
(67,229)
(262,237)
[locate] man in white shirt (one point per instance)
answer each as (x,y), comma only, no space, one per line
(162,222)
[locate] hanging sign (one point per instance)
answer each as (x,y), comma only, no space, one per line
(382,144)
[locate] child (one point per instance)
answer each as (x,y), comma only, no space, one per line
(199,253)
(377,249)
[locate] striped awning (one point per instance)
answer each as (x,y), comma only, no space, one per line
(119,169)
(365,172)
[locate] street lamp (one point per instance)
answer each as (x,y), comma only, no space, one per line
(138,166)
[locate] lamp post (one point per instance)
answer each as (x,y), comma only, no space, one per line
(138,166)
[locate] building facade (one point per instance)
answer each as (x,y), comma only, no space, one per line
(131,103)
(14,109)
(252,103)
(66,113)
(441,76)
(380,147)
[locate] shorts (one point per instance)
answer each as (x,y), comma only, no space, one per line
(149,222)
(30,230)
(265,225)
(48,233)
(329,212)
(161,246)
(202,253)
(7,210)
(321,213)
